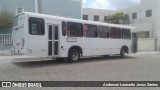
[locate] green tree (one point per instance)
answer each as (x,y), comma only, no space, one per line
(109,19)
(115,18)
(126,19)
(5,20)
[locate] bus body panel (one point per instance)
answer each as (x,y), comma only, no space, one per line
(90,48)
(17,39)
(38,45)
(18,33)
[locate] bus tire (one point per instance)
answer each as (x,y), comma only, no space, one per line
(73,56)
(122,53)
(106,56)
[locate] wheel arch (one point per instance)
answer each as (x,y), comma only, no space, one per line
(76,47)
(125,47)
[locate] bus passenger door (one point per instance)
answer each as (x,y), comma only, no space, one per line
(134,43)
(53,40)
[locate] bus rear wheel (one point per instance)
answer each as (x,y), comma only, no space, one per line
(122,53)
(74,55)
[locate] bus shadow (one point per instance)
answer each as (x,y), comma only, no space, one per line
(37,64)
(47,63)
(110,58)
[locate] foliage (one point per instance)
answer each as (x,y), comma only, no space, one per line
(117,18)
(5,20)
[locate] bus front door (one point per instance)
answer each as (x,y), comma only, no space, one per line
(134,43)
(53,39)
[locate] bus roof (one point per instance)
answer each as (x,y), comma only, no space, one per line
(76,20)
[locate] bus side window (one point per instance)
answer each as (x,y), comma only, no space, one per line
(85,30)
(90,31)
(126,34)
(36,26)
(74,29)
(103,31)
(63,28)
(115,33)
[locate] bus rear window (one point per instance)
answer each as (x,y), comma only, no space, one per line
(36,26)
(18,21)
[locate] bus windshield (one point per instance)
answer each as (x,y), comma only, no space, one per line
(18,21)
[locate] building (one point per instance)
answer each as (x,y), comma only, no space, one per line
(65,8)
(95,14)
(145,17)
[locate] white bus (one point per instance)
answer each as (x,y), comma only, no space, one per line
(58,37)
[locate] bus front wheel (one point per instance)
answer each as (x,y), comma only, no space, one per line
(74,55)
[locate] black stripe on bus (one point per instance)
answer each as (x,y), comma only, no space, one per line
(56,48)
(50,48)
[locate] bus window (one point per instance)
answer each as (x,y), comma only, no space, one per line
(126,34)
(115,33)
(74,29)
(18,21)
(56,33)
(50,32)
(36,26)
(103,31)
(90,31)
(63,28)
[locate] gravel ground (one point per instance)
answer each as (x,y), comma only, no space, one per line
(139,67)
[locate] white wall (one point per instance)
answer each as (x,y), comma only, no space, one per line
(146,44)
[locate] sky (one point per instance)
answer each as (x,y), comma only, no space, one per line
(109,4)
